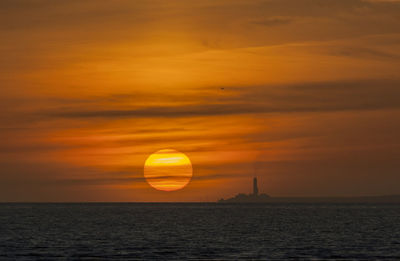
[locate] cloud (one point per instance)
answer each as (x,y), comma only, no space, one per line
(363,52)
(130,180)
(274,21)
(37,174)
(299,98)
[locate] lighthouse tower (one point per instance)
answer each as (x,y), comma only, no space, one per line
(255,187)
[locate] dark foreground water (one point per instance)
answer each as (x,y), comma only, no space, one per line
(198,231)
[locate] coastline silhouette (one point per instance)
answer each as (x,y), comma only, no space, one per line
(255,197)
(248,198)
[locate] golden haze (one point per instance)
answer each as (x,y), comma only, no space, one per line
(300,93)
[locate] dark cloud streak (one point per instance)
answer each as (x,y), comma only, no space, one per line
(301,98)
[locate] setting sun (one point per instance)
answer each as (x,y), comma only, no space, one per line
(168,170)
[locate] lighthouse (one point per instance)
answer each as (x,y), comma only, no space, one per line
(255,187)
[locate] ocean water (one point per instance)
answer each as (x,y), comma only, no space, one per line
(141,231)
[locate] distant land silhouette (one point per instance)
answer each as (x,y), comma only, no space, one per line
(264,198)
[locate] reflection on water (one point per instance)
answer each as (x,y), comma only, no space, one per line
(199,231)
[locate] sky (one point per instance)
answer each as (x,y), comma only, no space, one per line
(303,94)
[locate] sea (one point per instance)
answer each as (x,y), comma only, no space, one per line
(199,231)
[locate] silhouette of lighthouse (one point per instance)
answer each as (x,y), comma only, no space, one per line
(255,187)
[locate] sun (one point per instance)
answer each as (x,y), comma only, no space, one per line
(168,170)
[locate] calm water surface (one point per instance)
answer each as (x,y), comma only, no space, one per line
(198,231)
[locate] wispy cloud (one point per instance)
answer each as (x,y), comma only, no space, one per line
(313,97)
(274,21)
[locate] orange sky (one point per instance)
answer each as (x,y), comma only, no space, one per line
(89,89)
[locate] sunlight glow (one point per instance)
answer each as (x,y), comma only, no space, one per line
(168,170)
